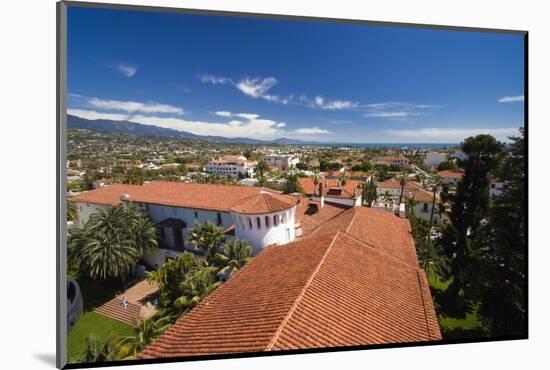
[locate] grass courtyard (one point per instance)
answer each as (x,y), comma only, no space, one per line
(453,327)
(95,324)
(94,294)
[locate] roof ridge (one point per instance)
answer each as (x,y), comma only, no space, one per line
(380,252)
(312,232)
(300,296)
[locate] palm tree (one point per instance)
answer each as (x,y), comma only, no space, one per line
(144,333)
(206,237)
(402,182)
(261,169)
(198,284)
(434,189)
(235,254)
(133,176)
(291,183)
(431,257)
(71,210)
(342,178)
(144,234)
(104,248)
(96,350)
(410,204)
(316,176)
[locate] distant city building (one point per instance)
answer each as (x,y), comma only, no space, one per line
(389,160)
(283,161)
(451,177)
(231,166)
(99,183)
(433,159)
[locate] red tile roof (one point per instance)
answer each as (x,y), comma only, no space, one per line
(454,174)
(349,188)
(353,281)
(190,195)
(264,203)
(395,184)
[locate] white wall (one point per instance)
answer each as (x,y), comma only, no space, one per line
(260,237)
(85,210)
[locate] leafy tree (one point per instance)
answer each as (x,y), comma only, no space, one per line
(502,259)
(302,166)
(369,194)
(144,333)
(171,274)
(315,177)
(446,165)
(234,255)
(97,350)
(197,285)
(469,207)
(261,170)
(207,238)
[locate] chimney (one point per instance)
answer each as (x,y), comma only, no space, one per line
(321,195)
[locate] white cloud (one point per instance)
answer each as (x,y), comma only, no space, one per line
(396,110)
(127,70)
(223,113)
(215,80)
(511,99)
(447,135)
(251,125)
(311,131)
(93,115)
(322,103)
(132,106)
(256,87)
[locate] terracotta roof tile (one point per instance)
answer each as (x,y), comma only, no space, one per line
(178,194)
(264,202)
(454,174)
(350,186)
(329,289)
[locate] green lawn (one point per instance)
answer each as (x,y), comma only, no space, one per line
(92,323)
(452,326)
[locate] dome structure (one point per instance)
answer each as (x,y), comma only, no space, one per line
(265,219)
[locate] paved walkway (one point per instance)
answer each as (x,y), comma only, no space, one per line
(140,304)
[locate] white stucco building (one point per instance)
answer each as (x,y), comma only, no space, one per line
(283,161)
(255,215)
(231,166)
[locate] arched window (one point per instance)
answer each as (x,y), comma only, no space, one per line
(249,223)
(266,221)
(283,217)
(275,220)
(258,222)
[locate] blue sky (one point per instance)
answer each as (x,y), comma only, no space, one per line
(232,76)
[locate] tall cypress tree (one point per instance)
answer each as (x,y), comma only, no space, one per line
(469,207)
(501,266)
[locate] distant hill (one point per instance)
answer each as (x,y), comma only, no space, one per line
(138,129)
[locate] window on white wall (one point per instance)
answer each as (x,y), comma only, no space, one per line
(283,218)
(275,220)
(266,221)
(249,223)
(258,222)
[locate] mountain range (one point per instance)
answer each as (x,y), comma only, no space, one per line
(138,129)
